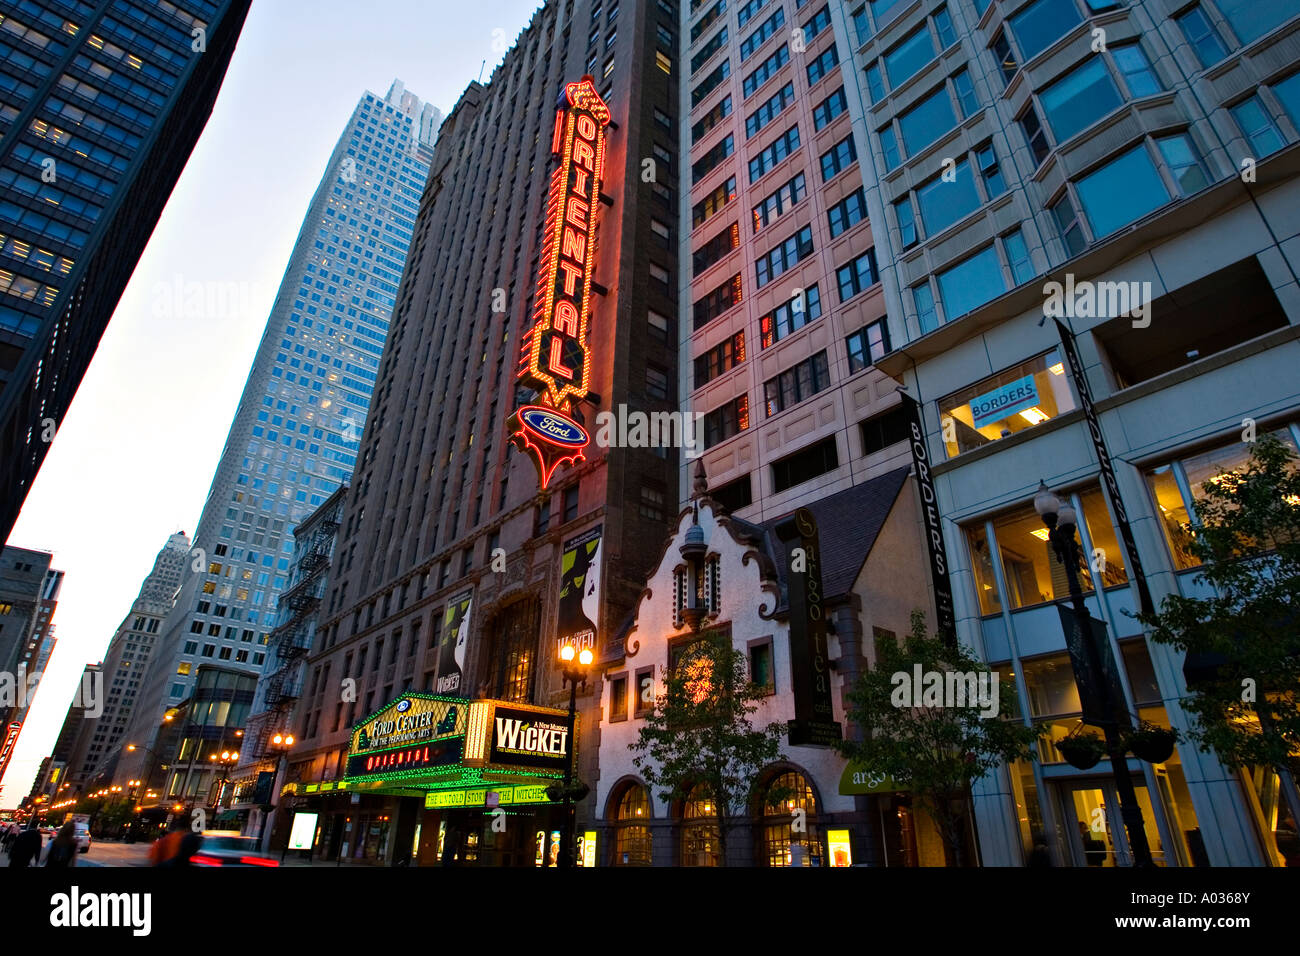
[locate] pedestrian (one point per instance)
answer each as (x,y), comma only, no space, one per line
(189,845)
(63,847)
(25,846)
(168,845)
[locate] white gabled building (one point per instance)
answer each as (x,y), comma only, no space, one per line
(874,574)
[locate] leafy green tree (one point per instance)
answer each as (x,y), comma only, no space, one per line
(699,738)
(1246,701)
(938,751)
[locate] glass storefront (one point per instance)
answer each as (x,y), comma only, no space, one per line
(631,834)
(700,843)
(1003,404)
(783,843)
(1033,574)
(1178,486)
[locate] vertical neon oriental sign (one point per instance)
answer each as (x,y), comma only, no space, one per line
(555,355)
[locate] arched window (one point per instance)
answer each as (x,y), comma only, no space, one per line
(789,821)
(701,845)
(631,832)
(516,635)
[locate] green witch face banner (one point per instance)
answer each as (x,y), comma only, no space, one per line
(579,611)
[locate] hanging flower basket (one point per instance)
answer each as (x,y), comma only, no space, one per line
(1152,744)
(1082,751)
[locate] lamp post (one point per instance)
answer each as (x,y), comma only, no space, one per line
(1061,520)
(279,744)
(574,668)
(225,760)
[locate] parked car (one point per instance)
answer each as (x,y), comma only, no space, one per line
(224,850)
(81,833)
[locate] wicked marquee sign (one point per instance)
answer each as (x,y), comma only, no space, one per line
(555,355)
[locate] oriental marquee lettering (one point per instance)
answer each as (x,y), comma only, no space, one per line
(555,355)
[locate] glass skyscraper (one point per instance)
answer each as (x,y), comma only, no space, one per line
(295,435)
(100,107)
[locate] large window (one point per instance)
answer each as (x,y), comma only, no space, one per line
(784,257)
(1258,126)
(785,796)
(713,202)
(927,121)
(969,284)
(1041,24)
(774,153)
(700,843)
(766,70)
(847,213)
(908,57)
(857,275)
(1079,99)
(631,832)
(715,249)
(1032,573)
(710,160)
(1251,19)
(723,357)
(717,302)
(829,108)
(761,35)
(868,345)
(711,82)
(797,384)
(1125,189)
(769,110)
(1179,485)
(838,158)
(721,110)
(1202,36)
(943,202)
(1003,404)
(724,422)
(790,316)
(805,465)
(780,202)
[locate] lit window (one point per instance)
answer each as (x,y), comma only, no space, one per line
(1003,404)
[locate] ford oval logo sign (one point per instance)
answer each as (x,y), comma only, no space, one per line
(404,706)
(555,428)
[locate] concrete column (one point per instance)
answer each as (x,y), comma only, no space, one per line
(847,622)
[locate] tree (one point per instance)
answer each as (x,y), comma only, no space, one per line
(923,737)
(699,738)
(1245,700)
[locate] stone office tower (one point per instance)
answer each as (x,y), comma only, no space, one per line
(439,489)
(294,437)
(102,106)
(96,748)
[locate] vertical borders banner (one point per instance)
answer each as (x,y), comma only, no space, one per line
(1108,479)
(453,642)
(933,521)
(578,617)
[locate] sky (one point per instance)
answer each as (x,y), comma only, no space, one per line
(132,460)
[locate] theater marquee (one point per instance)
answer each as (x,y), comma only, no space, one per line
(555,355)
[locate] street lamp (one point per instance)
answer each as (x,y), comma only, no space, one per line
(225,760)
(1061,520)
(574,669)
(280,743)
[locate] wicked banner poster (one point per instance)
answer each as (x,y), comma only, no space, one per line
(579,606)
(452,644)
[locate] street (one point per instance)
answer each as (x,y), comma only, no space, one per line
(105,854)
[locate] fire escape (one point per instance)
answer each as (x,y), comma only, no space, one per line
(291,642)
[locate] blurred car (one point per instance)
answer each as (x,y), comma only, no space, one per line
(81,833)
(231,851)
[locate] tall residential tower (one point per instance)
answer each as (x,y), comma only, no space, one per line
(296,431)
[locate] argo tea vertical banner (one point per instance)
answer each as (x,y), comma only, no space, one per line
(452,644)
(579,606)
